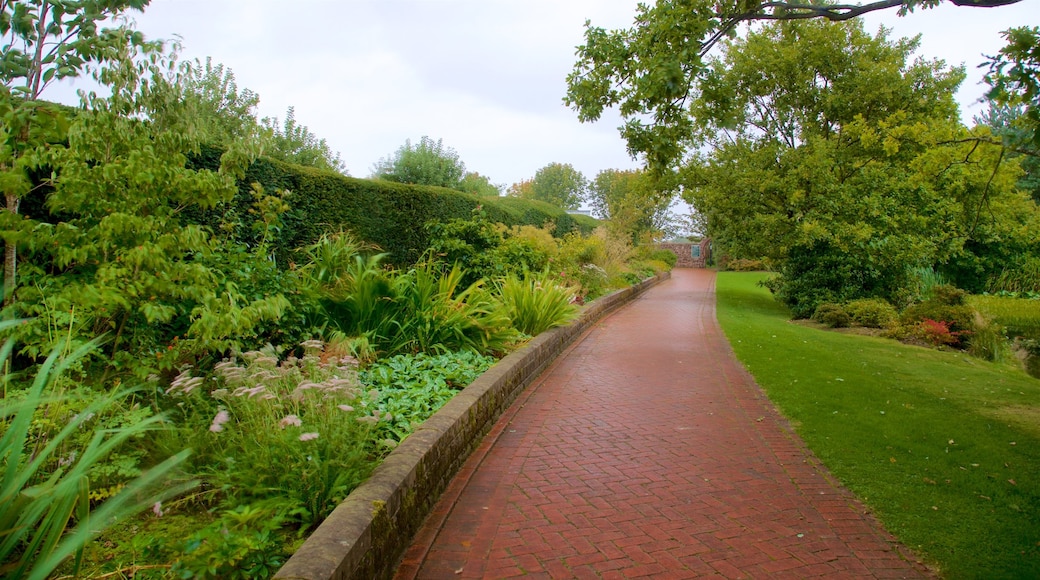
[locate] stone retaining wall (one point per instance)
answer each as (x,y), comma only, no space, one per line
(366,535)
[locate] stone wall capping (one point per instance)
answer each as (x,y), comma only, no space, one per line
(367,533)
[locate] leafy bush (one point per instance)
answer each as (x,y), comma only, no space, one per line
(813,275)
(535,303)
(937,333)
(872,313)
(666,256)
(434,313)
(413,387)
(833,315)
(946,306)
(744,265)
(308,416)
(989,340)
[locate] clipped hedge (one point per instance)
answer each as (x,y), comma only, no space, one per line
(389,215)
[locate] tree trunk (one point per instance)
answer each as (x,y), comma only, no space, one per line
(10,257)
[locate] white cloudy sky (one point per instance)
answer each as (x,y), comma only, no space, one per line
(486,76)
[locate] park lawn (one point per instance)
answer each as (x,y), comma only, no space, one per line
(943,448)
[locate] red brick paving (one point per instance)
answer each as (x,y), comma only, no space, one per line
(646,451)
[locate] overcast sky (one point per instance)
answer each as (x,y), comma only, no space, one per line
(486,76)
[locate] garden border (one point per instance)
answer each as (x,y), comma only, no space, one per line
(367,533)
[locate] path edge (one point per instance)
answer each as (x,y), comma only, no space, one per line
(368,532)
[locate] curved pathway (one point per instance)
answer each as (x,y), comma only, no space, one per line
(647,451)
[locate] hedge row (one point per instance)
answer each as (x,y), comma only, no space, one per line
(390,215)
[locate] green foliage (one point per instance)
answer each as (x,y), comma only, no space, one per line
(821,273)
(947,308)
(1019,315)
(558,184)
(651,70)
(306,415)
(48,473)
(479,185)
(427,163)
(386,214)
(744,265)
(989,340)
(223,116)
(413,387)
(243,543)
(633,201)
(294,143)
(423,309)
(45,42)
(536,302)
(833,315)
(120,258)
(918,435)
(666,256)
(872,313)
(1021,277)
(1014,77)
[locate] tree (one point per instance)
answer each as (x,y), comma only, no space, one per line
(653,70)
(521,189)
(834,154)
(1014,78)
(557,183)
(44,41)
(634,201)
(295,143)
(427,163)
(478,184)
(1008,123)
(222,113)
(116,254)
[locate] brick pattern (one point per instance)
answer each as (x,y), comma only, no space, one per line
(365,536)
(647,451)
(684,253)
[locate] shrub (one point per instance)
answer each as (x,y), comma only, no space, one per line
(535,303)
(744,265)
(989,340)
(833,315)
(872,313)
(666,256)
(308,416)
(947,306)
(937,333)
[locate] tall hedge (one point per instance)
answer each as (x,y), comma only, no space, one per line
(390,215)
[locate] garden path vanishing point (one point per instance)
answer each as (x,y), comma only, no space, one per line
(647,451)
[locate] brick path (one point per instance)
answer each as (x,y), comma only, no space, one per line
(648,452)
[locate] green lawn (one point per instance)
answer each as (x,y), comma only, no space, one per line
(943,447)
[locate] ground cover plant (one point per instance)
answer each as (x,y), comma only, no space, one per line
(944,448)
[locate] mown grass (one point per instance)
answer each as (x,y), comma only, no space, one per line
(944,448)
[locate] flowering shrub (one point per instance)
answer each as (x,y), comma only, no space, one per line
(938,333)
(300,428)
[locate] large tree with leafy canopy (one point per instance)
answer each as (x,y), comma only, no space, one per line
(634,201)
(842,159)
(652,71)
(557,183)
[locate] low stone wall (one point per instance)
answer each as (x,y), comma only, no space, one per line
(366,535)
